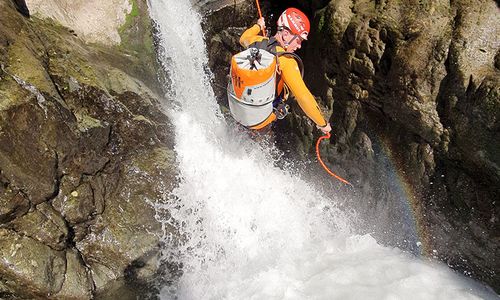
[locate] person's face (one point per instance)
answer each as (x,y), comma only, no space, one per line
(294,41)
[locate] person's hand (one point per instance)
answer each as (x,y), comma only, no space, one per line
(325,129)
(261,23)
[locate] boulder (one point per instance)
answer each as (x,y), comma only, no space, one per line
(30,269)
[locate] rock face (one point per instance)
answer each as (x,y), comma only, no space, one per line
(85,153)
(413,93)
(421,80)
(94,20)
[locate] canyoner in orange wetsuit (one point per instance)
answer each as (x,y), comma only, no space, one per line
(293,28)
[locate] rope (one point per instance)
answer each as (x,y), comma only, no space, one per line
(327,136)
(260,16)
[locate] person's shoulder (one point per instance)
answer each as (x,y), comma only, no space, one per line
(279,49)
(286,59)
(260,38)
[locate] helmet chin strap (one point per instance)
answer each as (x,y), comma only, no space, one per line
(286,44)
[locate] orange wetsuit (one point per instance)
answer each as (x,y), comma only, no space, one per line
(291,77)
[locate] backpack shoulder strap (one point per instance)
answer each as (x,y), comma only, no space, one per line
(270,46)
(296,57)
(266,44)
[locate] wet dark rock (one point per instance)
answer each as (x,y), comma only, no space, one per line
(121,234)
(44,225)
(29,268)
(78,283)
(76,205)
(12,204)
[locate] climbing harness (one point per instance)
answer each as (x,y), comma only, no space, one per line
(281,110)
(327,136)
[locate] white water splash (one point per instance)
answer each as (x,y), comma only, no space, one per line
(254,231)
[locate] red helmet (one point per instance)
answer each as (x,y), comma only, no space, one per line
(295,21)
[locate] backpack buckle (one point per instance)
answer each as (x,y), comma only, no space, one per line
(281,110)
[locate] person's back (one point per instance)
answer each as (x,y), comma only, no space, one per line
(293,29)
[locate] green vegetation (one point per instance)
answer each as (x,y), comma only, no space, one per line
(321,22)
(135,9)
(130,18)
(137,40)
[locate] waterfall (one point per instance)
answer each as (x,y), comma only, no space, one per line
(252,230)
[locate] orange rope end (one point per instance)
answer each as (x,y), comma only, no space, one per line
(327,136)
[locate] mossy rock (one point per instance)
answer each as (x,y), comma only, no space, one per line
(90,119)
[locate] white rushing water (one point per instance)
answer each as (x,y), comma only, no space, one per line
(254,231)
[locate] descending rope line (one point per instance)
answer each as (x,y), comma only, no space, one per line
(327,136)
(260,16)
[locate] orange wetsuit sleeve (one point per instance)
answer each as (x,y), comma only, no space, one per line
(250,36)
(291,75)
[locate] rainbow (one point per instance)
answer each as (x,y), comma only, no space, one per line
(414,213)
